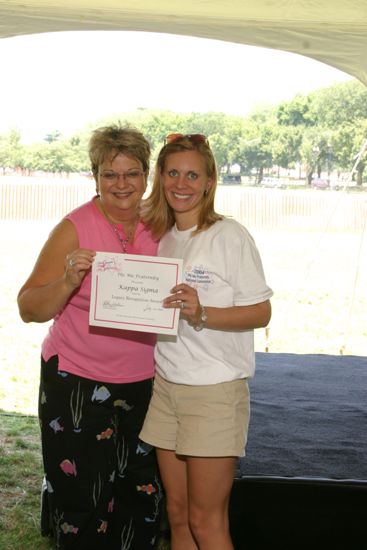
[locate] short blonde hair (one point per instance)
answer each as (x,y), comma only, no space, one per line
(156,213)
(109,141)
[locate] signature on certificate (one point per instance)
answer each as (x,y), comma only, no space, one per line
(108,304)
(152,308)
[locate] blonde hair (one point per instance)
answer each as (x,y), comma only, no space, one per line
(156,212)
(109,141)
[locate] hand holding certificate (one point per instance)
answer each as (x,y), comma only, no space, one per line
(128,291)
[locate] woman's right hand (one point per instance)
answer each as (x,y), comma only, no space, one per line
(58,272)
(77,264)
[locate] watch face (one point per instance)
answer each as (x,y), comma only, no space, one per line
(204,315)
(203,319)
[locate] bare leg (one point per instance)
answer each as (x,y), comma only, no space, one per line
(174,478)
(209,486)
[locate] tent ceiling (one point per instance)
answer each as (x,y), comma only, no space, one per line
(330,31)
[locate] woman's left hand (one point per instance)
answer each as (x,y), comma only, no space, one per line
(186,299)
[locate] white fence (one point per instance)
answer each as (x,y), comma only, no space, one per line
(35,198)
(294,209)
(32,198)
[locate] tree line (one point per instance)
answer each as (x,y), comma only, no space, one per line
(321,131)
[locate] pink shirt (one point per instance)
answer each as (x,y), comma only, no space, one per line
(97,353)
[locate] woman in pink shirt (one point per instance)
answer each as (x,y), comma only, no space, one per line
(103,488)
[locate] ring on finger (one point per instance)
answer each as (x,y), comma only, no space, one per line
(182,304)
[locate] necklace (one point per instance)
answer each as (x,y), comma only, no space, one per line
(123,242)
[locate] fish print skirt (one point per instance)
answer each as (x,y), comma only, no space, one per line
(102,484)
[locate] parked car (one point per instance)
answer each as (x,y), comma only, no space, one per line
(231,178)
(275,183)
(320,183)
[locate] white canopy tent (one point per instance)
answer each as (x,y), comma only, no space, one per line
(331,31)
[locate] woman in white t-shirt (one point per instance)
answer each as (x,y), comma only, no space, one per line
(199,413)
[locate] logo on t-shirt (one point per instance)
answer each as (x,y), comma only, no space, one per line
(197,276)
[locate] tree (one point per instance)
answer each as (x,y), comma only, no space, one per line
(360,138)
(255,148)
(297,112)
(310,153)
(339,104)
(53,136)
(11,150)
(286,145)
(322,130)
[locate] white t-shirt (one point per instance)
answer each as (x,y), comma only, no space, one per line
(224,265)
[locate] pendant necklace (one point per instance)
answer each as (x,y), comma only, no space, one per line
(123,242)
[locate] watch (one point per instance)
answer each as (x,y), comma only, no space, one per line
(203,319)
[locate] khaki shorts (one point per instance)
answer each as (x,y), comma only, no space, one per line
(205,421)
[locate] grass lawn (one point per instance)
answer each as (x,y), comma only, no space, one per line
(20,475)
(319,306)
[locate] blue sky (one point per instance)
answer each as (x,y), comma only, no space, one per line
(62,81)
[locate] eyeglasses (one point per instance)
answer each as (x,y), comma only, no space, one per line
(194,138)
(130,177)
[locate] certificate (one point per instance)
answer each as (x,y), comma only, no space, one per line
(128,290)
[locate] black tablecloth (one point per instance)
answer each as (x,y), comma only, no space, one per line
(308,417)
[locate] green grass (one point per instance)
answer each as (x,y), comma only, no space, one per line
(20,483)
(21,476)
